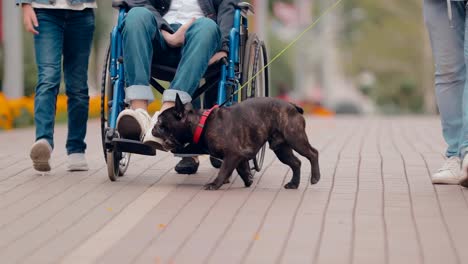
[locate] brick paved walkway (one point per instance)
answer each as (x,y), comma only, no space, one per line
(374,204)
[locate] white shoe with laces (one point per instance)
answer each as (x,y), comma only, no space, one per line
(132,124)
(449,173)
(77,162)
(464,172)
(149,139)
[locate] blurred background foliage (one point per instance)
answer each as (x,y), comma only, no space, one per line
(383,40)
(388,39)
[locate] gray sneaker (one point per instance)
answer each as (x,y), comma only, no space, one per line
(149,139)
(40,155)
(77,162)
(464,172)
(449,173)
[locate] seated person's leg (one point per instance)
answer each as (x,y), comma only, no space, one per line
(202,41)
(139,34)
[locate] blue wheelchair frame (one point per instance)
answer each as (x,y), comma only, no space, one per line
(229,77)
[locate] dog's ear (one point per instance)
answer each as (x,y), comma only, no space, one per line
(179,106)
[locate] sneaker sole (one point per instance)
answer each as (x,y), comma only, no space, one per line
(40,156)
(153,142)
(186,170)
(78,168)
(129,128)
(445,181)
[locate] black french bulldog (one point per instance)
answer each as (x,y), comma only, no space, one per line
(238,132)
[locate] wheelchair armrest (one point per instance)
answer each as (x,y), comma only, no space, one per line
(119,4)
(246,8)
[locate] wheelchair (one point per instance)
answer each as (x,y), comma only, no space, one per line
(247,56)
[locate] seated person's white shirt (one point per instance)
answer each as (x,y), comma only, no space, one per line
(63,4)
(182,11)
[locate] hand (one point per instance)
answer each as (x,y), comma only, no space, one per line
(217,57)
(30,19)
(178,38)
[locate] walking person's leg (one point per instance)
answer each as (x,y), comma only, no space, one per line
(78,36)
(464,133)
(48,51)
(450,74)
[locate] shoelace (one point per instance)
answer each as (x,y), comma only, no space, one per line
(450,164)
(145,114)
(154,119)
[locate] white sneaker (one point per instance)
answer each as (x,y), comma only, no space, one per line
(449,173)
(464,172)
(132,124)
(40,155)
(151,140)
(77,162)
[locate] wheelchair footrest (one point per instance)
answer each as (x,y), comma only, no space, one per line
(133,146)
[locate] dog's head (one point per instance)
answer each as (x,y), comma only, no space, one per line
(174,125)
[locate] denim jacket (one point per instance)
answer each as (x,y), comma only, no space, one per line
(221,11)
(51,2)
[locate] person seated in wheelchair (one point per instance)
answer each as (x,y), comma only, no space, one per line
(187,34)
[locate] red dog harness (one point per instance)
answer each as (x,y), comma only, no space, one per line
(201,124)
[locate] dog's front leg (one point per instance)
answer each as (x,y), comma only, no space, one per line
(228,166)
(244,171)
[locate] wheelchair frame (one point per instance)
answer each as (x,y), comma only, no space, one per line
(233,72)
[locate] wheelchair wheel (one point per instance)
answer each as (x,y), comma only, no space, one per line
(255,59)
(117,162)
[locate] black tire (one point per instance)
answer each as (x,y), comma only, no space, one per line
(105,84)
(266,72)
(112,161)
(117,162)
(255,59)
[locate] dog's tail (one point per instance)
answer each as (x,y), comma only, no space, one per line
(299,109)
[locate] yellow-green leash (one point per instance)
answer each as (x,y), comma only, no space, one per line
(328,10)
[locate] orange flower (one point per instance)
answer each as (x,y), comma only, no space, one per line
(154,106)
(6,118)
(61,104)
(94,106)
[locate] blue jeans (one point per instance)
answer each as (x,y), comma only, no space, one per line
(69,34)
(450,52)
(143,44)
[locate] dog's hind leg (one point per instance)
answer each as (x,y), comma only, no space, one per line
(301,145)
(285,155)
(244,171)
